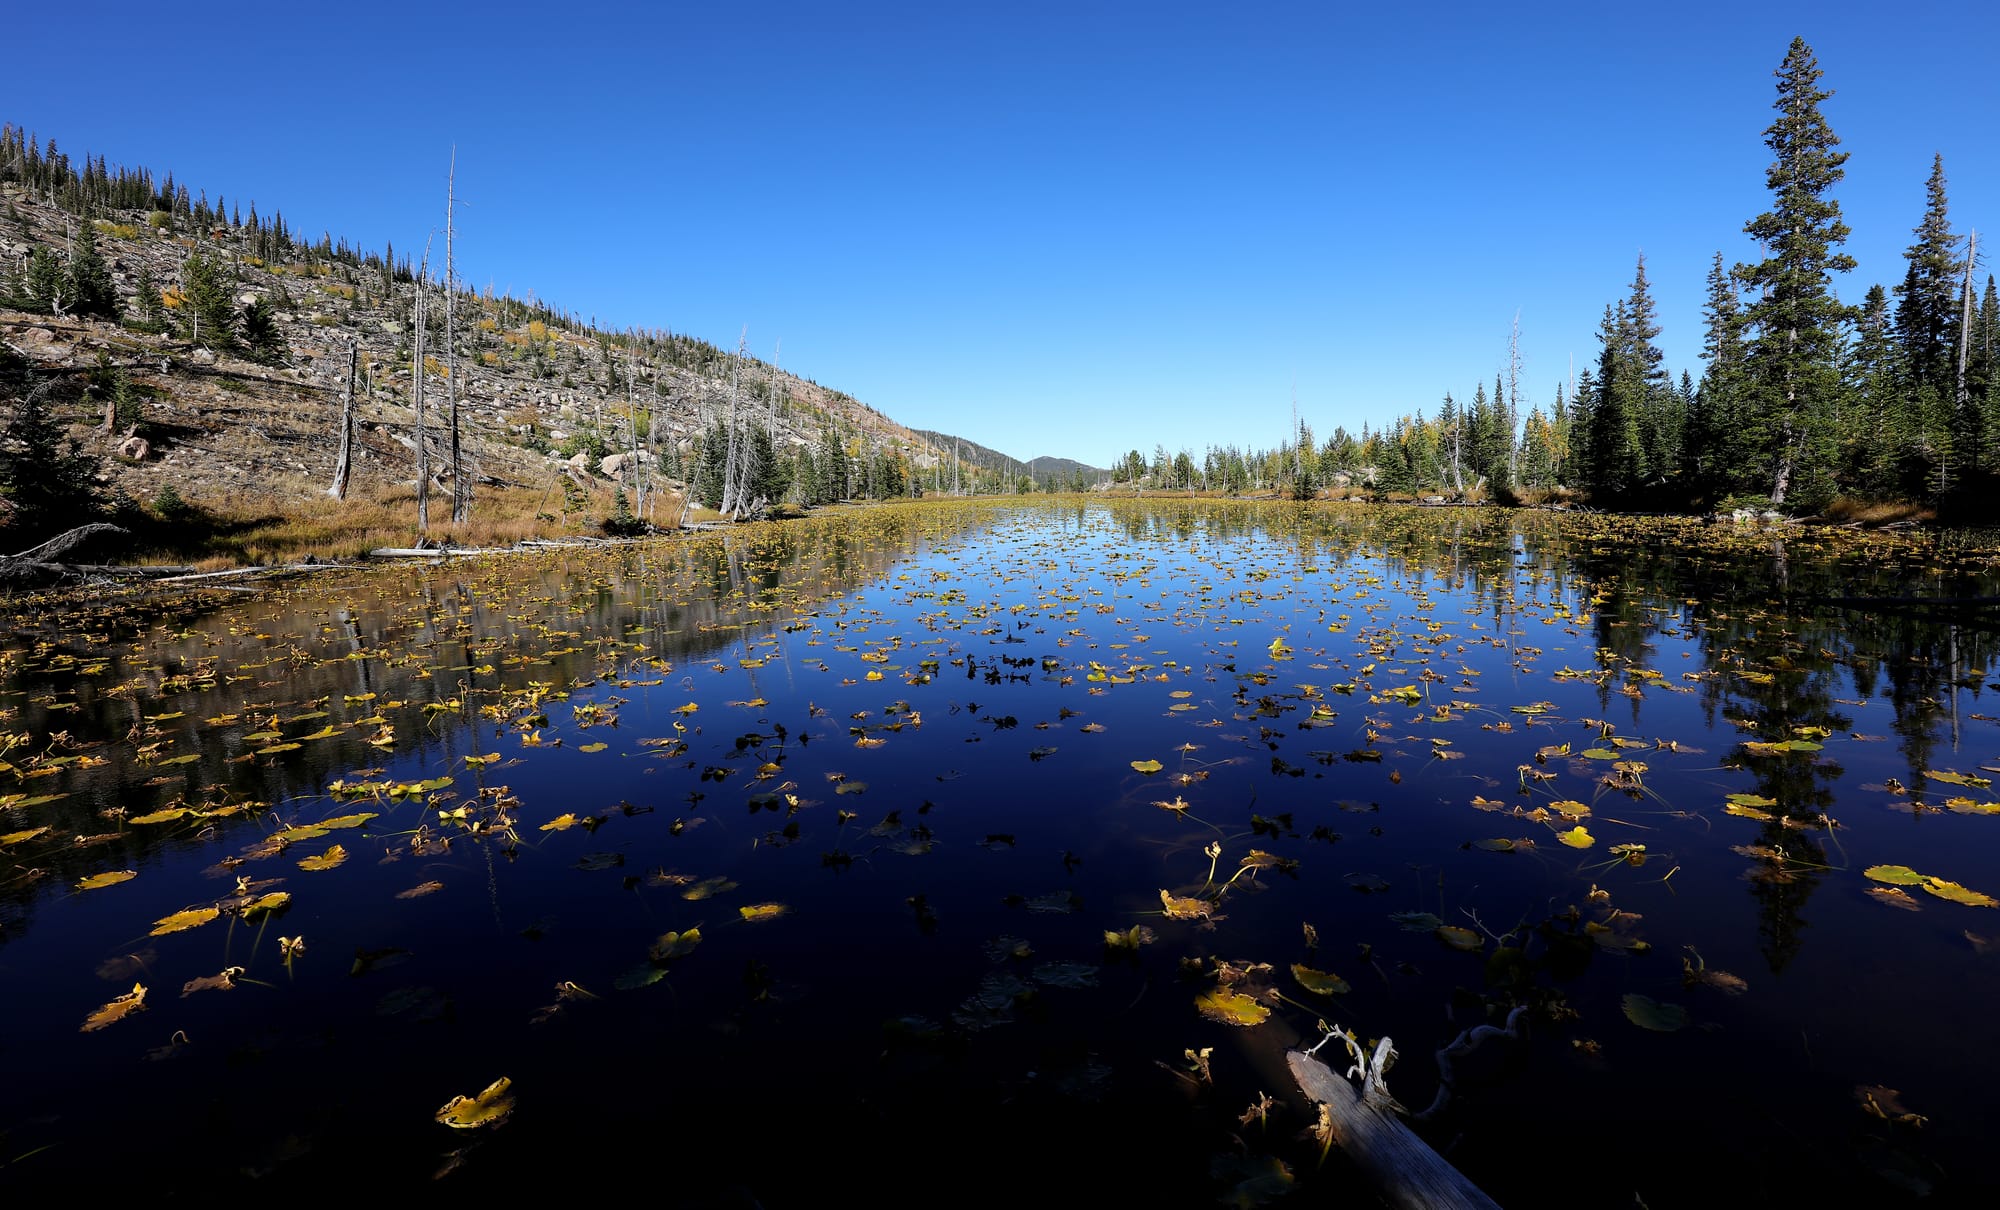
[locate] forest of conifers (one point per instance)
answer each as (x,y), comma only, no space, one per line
(1802,398)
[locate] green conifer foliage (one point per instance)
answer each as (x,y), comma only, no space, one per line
(1793,317)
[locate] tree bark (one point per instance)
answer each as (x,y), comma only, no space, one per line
(344,461)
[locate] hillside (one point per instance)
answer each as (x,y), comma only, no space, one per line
(240,414)
(1047,473)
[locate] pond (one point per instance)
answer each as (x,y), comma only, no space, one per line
(1001,851)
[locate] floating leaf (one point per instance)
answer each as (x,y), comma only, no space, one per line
(1416,922)
(1231,1008)
(1127,939)
(1148,766)
(1648,1013)
(708,887)
(1459,938)
(1577,838)
(266,905)
(1321,982)
(1898,875)
(166,815)
(325,861)
(669,946)
(421,889)
(14,838)
(1894,897)
(755,912)
(180,922)
(1751,800)
(644,975)
(1183,908)
(1495,845)
(1065,974)
(1958,894)
(1570,808)
(596,747)
(117,1010)
(108,878)
(560,823)
(222,981)
(489,1108)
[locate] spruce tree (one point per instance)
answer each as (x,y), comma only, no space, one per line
(206,288)
(1712,449)
(88,280)
(1876,431)
(43,289)
(1927,303)
(1793,318)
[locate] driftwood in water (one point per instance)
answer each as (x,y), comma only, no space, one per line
(1408,1173)
(45,564)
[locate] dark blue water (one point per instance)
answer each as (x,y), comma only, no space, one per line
(904,741)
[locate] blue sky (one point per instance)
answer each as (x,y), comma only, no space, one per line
(1062,229)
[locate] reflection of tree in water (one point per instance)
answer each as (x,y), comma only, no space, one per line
(448,636)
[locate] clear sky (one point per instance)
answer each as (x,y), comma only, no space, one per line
(1054,228)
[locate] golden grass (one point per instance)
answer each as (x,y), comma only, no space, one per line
(227,535)
(1847,510)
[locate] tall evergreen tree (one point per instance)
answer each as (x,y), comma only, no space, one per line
(1927,303)
(1793,318)
(88,278)
(1875,431)
(1615,456)
(1711,452)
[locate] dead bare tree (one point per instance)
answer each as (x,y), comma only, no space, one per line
(417,384)
(461,493)
(1514,398)
(1963,398)
(342,464)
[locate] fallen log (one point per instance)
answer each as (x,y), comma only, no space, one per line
(1363,1121)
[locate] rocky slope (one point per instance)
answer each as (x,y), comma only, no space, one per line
(535,385)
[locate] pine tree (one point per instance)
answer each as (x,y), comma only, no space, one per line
(206,288)
(1927,302)
(42,288)
(1876,432)
(46,475)
(1794,318)
(88,279)
(1615,456)
(1712,448)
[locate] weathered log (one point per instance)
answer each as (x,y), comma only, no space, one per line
(55,548)
(1403,1167)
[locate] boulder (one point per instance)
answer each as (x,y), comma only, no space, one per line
(578,463)
(611,465)
(135,448)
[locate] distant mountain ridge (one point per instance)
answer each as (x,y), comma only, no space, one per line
(1049,473)
(221,337)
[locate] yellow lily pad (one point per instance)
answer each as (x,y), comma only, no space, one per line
(108,878)
(180,922)
(325,861)
(489,1108)
(1322,982)
(1231,1008)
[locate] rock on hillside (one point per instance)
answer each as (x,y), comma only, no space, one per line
(536,386)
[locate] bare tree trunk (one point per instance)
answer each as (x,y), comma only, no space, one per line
(342,464)
(1963,399)
(1514,398)
(417,381)
(461,495)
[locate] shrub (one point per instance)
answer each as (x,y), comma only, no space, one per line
(169,506)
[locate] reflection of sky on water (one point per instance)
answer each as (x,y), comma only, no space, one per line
(1024,660)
